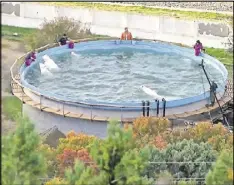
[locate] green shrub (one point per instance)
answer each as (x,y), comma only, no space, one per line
(183,152)
(222,171)
(51,31)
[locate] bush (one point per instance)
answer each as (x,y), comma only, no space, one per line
(147,130)
(222,171)
(22,163)
(184,151)
(51,31)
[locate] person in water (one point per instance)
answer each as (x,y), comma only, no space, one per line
(198,47)
(30,58)
(126,35)
(63,40)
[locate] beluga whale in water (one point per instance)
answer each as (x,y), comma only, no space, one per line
(49,63)
(151,92)
(44,70)
(74,54)
(155,95)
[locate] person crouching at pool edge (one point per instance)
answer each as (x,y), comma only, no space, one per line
(30,58)
(126,35)
(198,47)
(63,40)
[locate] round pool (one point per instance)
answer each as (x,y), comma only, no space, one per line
(113,72)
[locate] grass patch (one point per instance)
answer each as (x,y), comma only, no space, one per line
(8,31)
(222,55)
(11,107)
(146,10)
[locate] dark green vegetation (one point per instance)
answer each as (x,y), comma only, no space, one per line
(122,158)
(146,10)
(21,161)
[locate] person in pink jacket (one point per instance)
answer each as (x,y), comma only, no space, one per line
(198,48)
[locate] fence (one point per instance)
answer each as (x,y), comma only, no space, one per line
(175,180)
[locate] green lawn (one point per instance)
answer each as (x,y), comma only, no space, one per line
(146,10)
(222,55)
(11,107)
(8,31)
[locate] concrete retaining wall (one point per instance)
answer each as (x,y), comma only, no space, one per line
(112,23)
(44,120)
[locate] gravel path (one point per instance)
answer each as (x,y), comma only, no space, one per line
(213,6)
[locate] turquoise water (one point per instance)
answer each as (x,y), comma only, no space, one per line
(116,75)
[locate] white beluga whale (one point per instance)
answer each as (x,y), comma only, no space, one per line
(44,70)
(49,63)
(155,95)
(74,54)
(151,92)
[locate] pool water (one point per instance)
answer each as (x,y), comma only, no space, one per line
(116,75)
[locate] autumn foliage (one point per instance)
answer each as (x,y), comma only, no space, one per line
(68,157)
(75,141)
(56,181)
(147,130)
(74,147)
(159,142)
(87,156)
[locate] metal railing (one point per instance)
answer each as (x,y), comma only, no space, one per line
(15,70)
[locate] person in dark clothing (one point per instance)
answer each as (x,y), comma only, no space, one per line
(63,40)
(30,58)
(31,55)
(213,89)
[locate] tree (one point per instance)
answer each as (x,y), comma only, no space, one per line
(187,183)
(68,157)
(22,163)
(216,135)
(164,178)
(147,130)
(50,32)
(117,159)
(182,153)
(84,175)
(75,142)
(56,181)
(222,171)
(51,161)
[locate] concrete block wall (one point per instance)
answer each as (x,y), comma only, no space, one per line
(168,29)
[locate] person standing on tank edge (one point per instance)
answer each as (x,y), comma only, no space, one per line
(126,35)
(198,47)
(63,40)
(213,89)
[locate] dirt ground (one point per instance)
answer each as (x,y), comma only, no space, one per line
(10,51)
